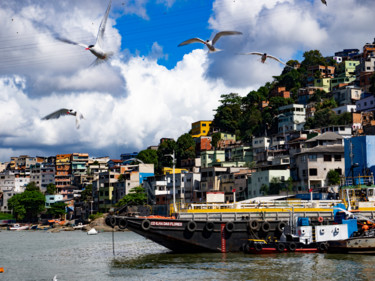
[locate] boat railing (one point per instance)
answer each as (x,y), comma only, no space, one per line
(323,204)
(357,181)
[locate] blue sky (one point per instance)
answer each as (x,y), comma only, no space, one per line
(168,26)
(150,88)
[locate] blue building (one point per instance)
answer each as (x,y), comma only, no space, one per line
(127,156)
(359,156)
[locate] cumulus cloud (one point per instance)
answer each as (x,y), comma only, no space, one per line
(284,28)
(160,103)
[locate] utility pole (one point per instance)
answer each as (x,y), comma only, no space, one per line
(173,179)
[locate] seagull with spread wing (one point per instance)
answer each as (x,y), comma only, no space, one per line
(96,49)
(63,112)
(208,43)
(264,57)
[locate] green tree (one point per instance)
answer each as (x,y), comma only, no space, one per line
(27,205)
(51,189)
(228,114)
(185,148)
(345,118)
(275,186)
(289,184)
(148,156)
(333,177)
(264,189)
(165,148)
(215,139)
(32,187)
(312,58)
(57,209)
(86,194)
(136,196)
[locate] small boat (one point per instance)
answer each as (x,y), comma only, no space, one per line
(79,226)
(17,227)
(92,231)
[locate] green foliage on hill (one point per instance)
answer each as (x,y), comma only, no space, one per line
(247,117)
(136,196)
(28,204)
(51,189)
(5,216)
(57,209)
(148,156)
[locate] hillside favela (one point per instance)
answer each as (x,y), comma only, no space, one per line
(278,184)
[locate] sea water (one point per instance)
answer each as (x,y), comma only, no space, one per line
(74,255)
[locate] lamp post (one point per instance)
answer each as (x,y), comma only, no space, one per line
(173,179)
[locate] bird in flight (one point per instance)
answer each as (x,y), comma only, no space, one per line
(264,57)
(63,112)
(208,43)
(324,2)
(96,49)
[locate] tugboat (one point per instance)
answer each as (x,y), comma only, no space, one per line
(303,238)
(361,242)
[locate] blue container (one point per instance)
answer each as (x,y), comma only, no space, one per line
(303,221)
(352,226)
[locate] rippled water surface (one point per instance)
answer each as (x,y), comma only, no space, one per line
(38,255)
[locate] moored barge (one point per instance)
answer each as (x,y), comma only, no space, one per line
(215,227)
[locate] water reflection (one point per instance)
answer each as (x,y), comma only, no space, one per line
(297,266)
(77,256)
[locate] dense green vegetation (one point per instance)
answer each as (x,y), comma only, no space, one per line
(136,196)
(245,116)
(5,216)
(57,210)
(28,204)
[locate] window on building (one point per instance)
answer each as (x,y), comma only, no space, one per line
(339,171)
(313,172)
(337,158)
(312,157)
(327,158)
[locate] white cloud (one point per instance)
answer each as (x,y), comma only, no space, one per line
(283,28)
(159,103)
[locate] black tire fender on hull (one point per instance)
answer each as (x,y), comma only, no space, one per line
(191,226)
(209,226)
(253,225)
(229,226)
(146,224)
(122,223)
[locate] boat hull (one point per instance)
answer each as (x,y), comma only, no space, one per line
(356,245)
(202,236)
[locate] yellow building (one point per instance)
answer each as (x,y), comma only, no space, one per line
(200,128)
(167,170)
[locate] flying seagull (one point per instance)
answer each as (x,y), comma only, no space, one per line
(208,43)
(264,56)
(324,2)
(95,49)
(63,112)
